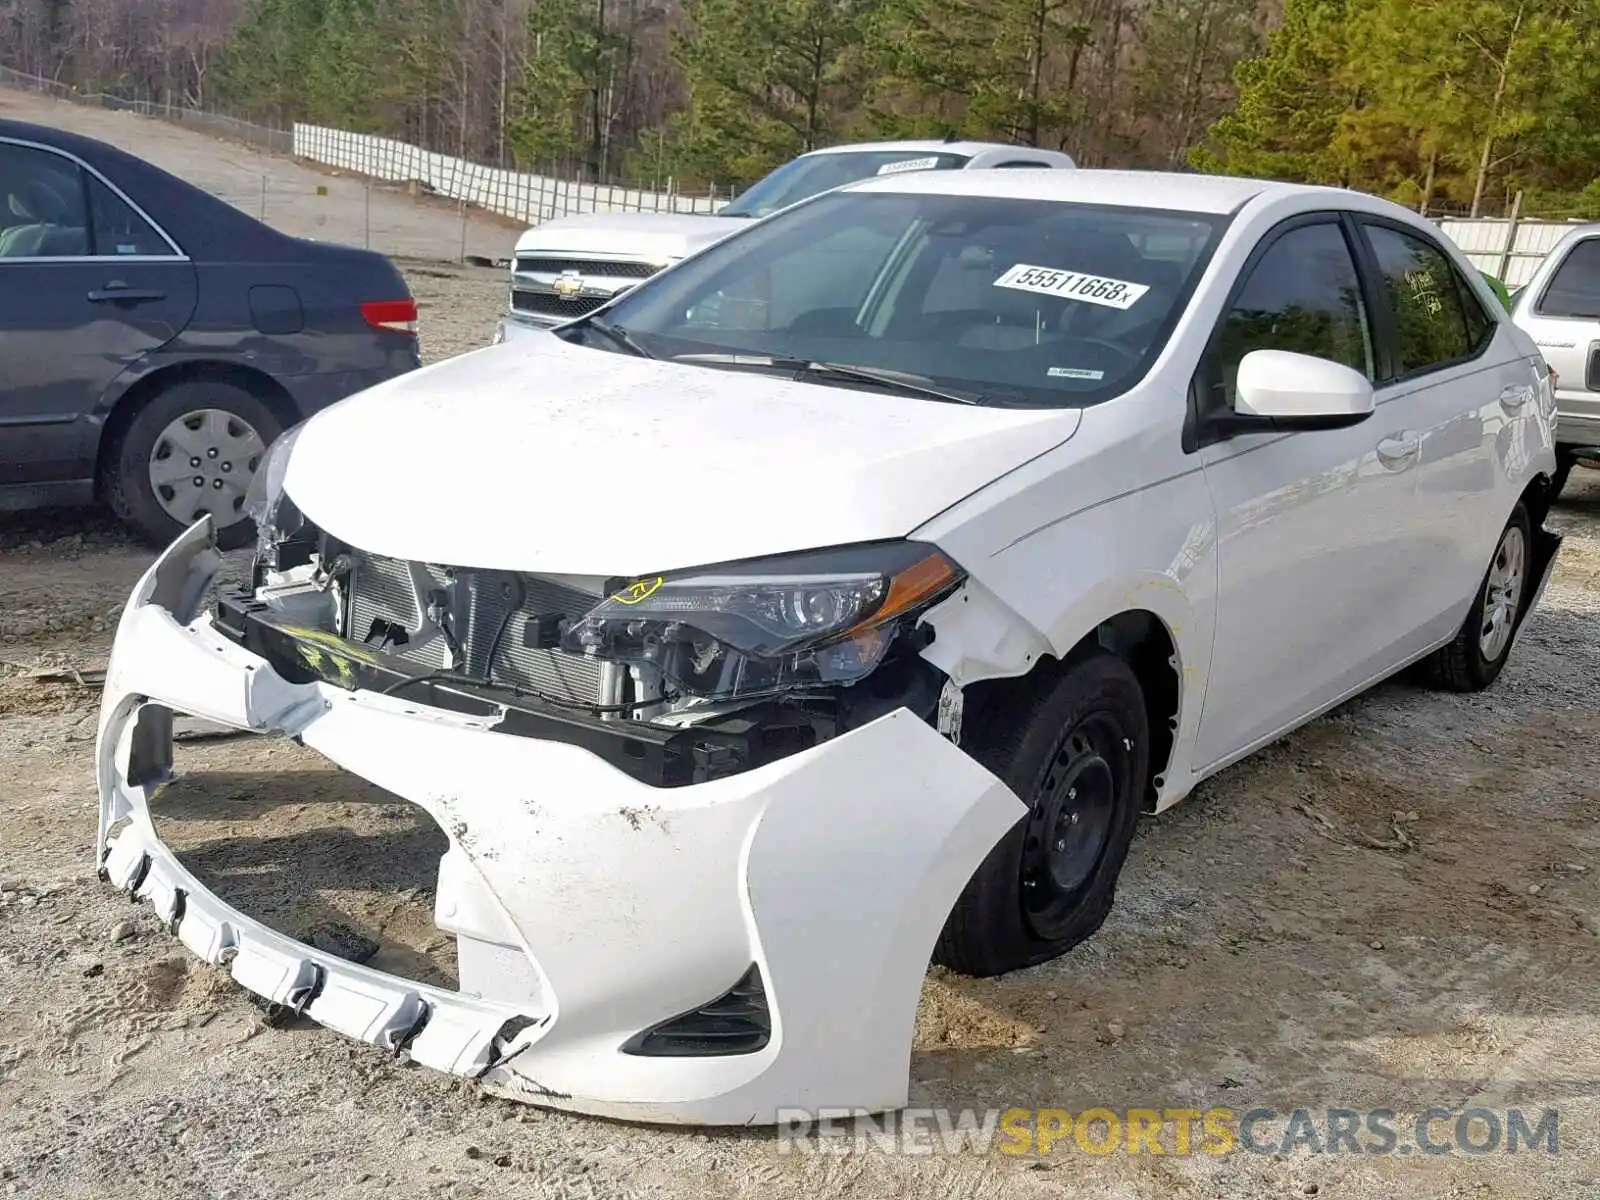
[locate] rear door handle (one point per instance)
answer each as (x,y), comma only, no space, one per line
(1399,451)
(1515,396)
(120,294)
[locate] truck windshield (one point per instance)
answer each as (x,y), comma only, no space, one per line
(813,174)
(990,299)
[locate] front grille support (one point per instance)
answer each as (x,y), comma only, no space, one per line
(433,606)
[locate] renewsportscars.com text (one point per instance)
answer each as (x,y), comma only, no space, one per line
(1174,1131)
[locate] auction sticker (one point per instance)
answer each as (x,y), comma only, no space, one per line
(1072,285)
(908,164)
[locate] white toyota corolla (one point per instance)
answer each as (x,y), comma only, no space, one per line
(836,601)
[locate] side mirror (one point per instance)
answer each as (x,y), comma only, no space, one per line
(1282,390)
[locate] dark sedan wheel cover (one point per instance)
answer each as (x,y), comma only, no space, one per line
(1070,825)
(202,463)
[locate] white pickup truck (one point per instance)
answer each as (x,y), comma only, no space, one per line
(1560,309)
(567,268)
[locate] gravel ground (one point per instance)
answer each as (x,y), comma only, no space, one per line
(1396,907)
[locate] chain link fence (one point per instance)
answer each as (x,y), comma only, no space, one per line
(377,192)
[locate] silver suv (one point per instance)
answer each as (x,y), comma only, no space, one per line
(1560,310)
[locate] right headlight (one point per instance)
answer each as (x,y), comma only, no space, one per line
(751,628)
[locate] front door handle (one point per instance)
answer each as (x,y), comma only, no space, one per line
(121,293)
(1399,451)
(1515,396)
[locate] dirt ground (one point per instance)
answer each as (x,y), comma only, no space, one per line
(1397,907)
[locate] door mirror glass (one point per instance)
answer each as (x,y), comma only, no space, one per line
(1297,389)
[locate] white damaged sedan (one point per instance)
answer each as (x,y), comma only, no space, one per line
(837,600)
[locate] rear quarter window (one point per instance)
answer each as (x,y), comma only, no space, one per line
(1574,290)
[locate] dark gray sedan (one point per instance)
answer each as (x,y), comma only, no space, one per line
(154,339)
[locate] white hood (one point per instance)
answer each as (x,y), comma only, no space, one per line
(544,457)
(655,237)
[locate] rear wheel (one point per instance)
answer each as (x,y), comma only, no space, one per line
(1074,749)
(191,450)
(1476,657)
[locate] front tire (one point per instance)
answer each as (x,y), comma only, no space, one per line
(1075,750)
(190,450)
(1476,657)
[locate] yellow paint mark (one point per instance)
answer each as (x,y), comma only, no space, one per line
(637,593)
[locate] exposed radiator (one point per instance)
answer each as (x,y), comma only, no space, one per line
(392,592)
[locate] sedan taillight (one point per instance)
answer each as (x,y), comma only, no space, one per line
(397,316)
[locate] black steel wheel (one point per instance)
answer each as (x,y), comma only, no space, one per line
(1074,751)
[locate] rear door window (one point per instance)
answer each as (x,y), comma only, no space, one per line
(119,231)
(41,205)
(1430,313)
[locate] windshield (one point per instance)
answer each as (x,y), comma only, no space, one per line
(996,300)
(814,174)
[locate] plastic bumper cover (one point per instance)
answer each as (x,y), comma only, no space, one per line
(588,907)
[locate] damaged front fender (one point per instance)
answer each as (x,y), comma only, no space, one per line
(589,908)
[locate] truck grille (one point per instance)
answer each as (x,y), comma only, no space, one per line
(385,592)
(533,264)
(559,287)
(547,304)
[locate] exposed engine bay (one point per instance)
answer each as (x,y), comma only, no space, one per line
(674,679)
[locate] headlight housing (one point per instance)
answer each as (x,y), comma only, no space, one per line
(754,628)
(265,501)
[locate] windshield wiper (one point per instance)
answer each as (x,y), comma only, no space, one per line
(905,382)
(615,334)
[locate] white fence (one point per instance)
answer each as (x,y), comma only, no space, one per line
(528,198)
(1510,250)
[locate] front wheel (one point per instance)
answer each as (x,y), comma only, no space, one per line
(1476,657)
(1074,749)
(191,450)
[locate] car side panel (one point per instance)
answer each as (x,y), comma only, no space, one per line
(335,354)
(1316,535)
(1118,519)
(64,340)
(1482,435)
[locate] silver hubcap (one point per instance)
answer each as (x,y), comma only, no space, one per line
(202,463)
(1503,595)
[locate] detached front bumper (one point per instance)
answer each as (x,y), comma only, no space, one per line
(589,908)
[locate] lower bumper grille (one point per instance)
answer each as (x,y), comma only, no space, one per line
(483,612)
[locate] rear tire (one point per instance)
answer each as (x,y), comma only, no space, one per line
(1075,750)
(190,449)
(1476,657)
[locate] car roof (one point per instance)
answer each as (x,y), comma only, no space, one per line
(927,146)
(1165,190)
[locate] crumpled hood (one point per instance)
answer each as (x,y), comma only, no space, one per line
(541,456)
(655,237)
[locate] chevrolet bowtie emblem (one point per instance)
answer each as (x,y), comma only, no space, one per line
(568,284)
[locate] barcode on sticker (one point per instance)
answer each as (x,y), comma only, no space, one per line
(908,164)
(1072,285)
